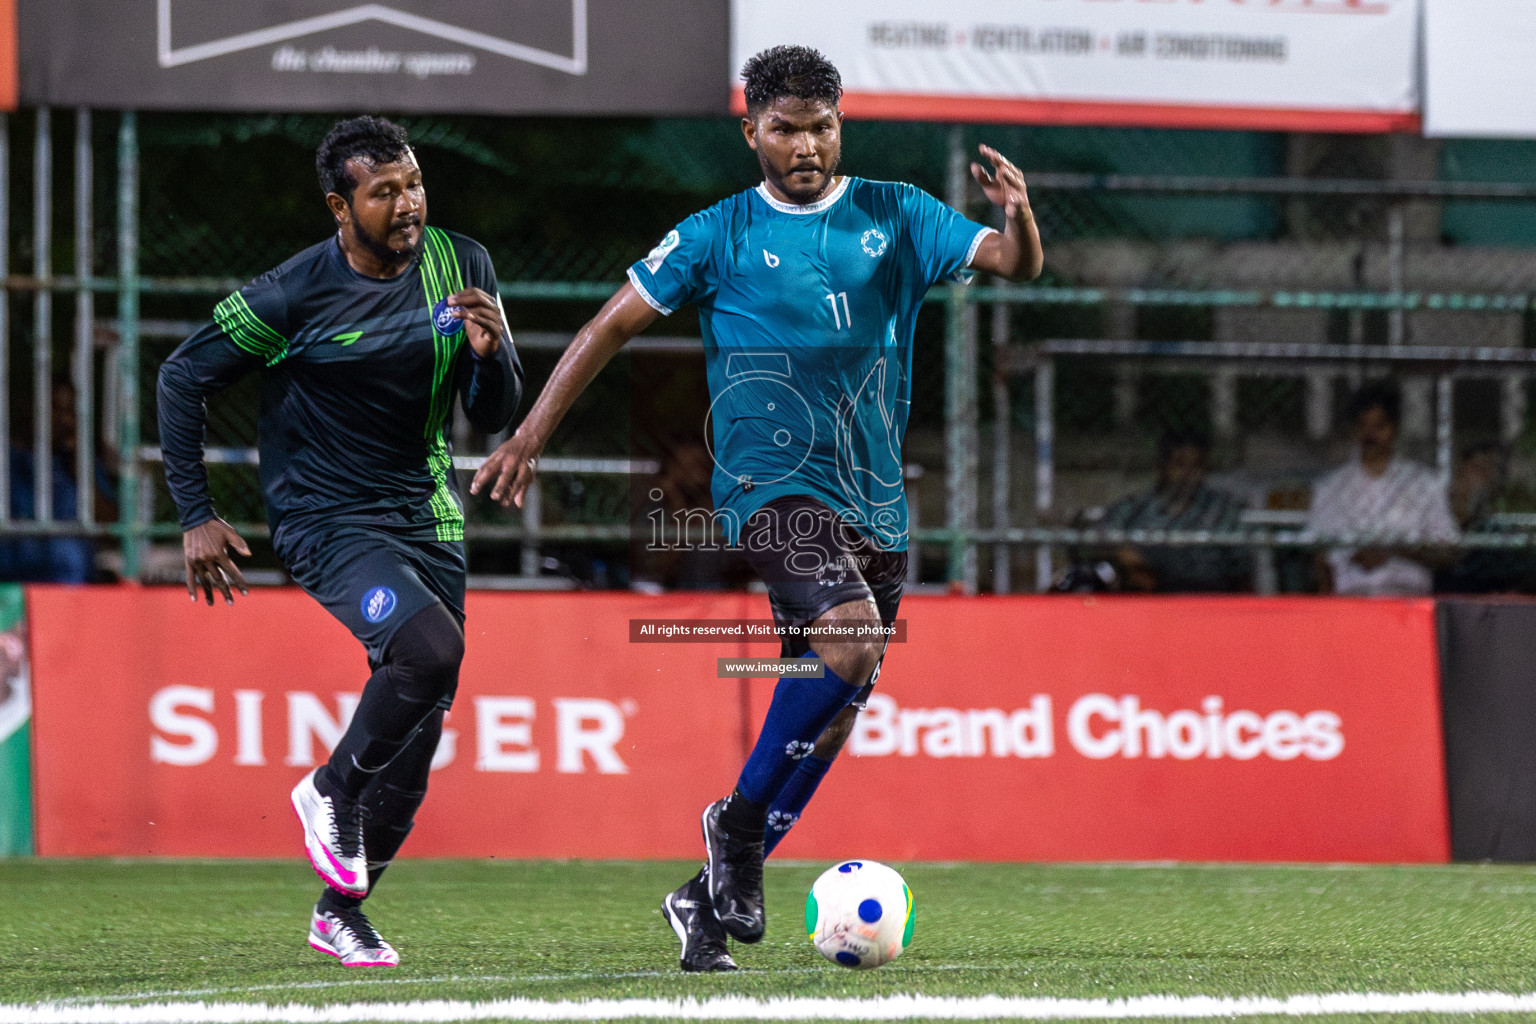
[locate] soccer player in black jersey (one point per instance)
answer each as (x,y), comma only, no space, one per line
(363,342)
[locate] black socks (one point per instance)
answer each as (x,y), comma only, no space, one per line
(741,817)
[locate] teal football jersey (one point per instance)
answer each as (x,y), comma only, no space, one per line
(807,315)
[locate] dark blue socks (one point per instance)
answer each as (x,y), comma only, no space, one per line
(801,709)
(797,792)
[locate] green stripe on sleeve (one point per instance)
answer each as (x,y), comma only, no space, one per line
(245,329)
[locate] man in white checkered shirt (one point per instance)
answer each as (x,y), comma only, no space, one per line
(1379,492)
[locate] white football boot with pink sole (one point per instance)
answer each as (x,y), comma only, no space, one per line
(348,936)
(333,837)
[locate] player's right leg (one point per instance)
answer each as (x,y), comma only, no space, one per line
(368,581)
(886,574)
(810,582)
(691,913)
(702,935)
(346,934)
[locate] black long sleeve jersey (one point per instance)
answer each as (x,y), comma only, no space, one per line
(358,381)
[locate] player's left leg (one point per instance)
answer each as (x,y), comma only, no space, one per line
(395,795)
(803,590)
(404,600)
(886,574)
(418,666)
(801,709)
(415,643)
(338,925)
(419,676)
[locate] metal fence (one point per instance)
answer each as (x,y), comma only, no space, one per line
(1244,302)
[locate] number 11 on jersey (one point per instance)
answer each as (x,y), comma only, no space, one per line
(843,320)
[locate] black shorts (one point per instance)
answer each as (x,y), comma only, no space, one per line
(811,561)
(373,580)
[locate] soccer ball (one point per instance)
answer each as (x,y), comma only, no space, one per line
(859,914)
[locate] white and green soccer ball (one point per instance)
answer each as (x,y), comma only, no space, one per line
(859,914)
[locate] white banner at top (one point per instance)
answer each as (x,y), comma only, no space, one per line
(1480,78)
(1285,65)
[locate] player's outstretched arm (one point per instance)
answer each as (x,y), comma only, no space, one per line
(1015,253)
(510,468)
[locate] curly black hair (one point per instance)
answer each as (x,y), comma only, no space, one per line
(1175,438)
(372,139)
(1377,394)
(796,71)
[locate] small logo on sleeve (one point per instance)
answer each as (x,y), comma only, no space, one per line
(658,255)
(348,338)
(444,320)
(378,603)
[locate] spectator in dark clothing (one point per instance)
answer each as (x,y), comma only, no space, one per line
(1180,500)
(1478,488)
(57,559)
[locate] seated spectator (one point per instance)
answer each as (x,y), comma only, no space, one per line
(1478,488)
(1180,500)
(1381,493)
(56,559)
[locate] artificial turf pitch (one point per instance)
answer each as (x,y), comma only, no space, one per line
(137,931)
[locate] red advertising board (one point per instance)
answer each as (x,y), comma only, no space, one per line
(1002,729)
(8,56)
(1044,728)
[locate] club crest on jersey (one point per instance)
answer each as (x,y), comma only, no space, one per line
(378,603)
(873,242)
(444,320)
(770,259)
(657,256)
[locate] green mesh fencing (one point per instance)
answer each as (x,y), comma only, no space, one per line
(564,206)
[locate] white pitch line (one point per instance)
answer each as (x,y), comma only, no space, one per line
(309,986)
(740,1008)
(456,979)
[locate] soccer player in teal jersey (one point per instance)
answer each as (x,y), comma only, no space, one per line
(808,288)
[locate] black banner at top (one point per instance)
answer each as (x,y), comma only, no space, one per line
(424,56)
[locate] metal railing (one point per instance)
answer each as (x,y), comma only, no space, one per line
(1317,364)
(122,397)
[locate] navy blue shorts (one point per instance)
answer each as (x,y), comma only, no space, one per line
(811,562)
(373,580)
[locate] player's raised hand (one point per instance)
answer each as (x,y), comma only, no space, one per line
(482,318)
(207,547)
(1003,185)
(1014,253)
(509,469)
